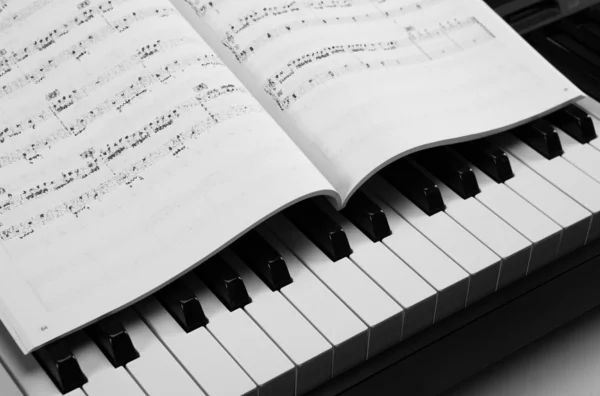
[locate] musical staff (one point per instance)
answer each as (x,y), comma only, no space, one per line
(23,14)
(431,43)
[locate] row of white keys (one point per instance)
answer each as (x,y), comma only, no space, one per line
(474,257)
(26,372)
(512,247)
(583,156)
(561,174)
(373,306)
(574,219)
(247,344)
(387,270)
(7,385)
(156,370)
(288,329)
(593,109)
(449,280)
(335,321)
(103,378)
(542,232)
(203,358)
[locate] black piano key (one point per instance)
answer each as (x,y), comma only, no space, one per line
(61,366)
(113,340)
(367,216)
(320,228)
(542,137)
(263,260)
(183,305)
(575,122)
(224,282)
(490,159)
(450,169)
(415,185)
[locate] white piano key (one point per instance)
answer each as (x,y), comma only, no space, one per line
(572,217)
(287,328)
(26,371)
(408,289)
(203,358)
(427,260)
(156,370)
(247,344)
(376,309)
(334,320)
(512,247)
(596,142)
(474,257)
(103,378)
(561,174)
(544,234)
(583,156)
(7,385)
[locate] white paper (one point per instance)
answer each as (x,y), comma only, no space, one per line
(128,153)
(358,83)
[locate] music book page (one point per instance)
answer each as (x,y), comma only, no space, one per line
(128,153)
(358,83)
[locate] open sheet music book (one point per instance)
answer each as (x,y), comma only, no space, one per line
(138,137)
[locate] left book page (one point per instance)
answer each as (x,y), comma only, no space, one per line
(128,153)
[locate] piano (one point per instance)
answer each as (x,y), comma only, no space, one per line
(444,263)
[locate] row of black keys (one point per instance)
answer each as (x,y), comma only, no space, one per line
(573,47)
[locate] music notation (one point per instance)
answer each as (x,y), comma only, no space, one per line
(23,14)
(62,29)
(117,102)
(3,5)
(82,48)
(95,158)
(417,40)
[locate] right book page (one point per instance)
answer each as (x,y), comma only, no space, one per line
(358,83)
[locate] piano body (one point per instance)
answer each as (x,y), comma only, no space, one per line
(411,289)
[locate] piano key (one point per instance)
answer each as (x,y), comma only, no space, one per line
(224,282)
(103,378)
(287,328)
(444,275)
(574,219)
(7,385)
(340,326)
(26,371)
(512,247)
(203,358)
(388,271)
(487,157)
(183,306)
(156,370)
(372,305)
(320,229)
(367,216)
(474,257)
(544,234)
(247,344)
(541,136)
(61,366)
(575,122)
(265,261)
(561,174)
(113,340)
(413,184)
(583,156)
(450,169)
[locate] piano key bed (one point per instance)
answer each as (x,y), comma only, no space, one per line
(413,287)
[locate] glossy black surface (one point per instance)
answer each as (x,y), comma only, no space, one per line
(417,187)
(367,216)
(113,340)
(61,366)
(320,228)
(183,305)
(489,158)
(575,122)
(263,260)
(224,282)
(542,137)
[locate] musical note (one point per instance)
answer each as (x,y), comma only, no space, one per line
(23,14)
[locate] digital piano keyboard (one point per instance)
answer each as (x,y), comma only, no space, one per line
(423,280)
